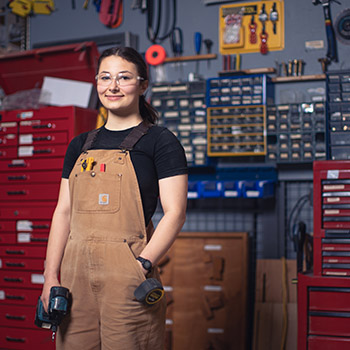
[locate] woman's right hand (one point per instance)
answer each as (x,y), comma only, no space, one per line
(45,295)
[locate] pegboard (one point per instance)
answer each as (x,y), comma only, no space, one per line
(241,30)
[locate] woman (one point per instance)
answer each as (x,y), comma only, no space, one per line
(101,233)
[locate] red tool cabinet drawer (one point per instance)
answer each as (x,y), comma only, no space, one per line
(42,151)
(46,138)
(31,164)
(31,177)
(12,226)
(8,140)
(8,128)
(40,126)
(8,152)
(17,316)
(21,212)
(25,339)
(19,296)
(22,251)
(42,113)
(329,299)
(329,323)
(28,192)
(328,343)
(8,263)
(21,279)
(29,238)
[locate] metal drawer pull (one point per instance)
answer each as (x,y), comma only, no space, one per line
(39,239)
(40,226)
(47,138)
(18,340)
(15,264)
(23,177)
(14,297)
(19,165)
(44,126)
(42,151)
(16,193)
(8,279)
(20,252)
(20,318)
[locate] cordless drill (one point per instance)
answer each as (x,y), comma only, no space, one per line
(57,309)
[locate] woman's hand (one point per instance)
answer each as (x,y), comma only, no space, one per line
(45,295)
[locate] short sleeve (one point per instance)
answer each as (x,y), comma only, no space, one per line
(169,156)
(72,154)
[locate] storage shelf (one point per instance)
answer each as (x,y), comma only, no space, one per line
(298,78)
(190,58)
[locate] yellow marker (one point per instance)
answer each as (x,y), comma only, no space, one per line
(238,61)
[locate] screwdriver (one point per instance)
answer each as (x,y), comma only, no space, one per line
(197,46)
(208,44)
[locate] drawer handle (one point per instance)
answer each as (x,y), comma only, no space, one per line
(42,151)
(18,252)
(16,193)
(15,264)
(17,340)
(44,126)
(39,239)
(23,177)
(14,297)
(19,165)
(8,279)
(40,226)
(19,318)
(47,138)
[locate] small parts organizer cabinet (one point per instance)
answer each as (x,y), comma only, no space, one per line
(205,276)
(236,115)
(332,218)
(323,313)
(32,149)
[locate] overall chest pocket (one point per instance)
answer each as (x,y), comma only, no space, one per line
(97,192)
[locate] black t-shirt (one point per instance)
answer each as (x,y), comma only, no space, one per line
(157,155)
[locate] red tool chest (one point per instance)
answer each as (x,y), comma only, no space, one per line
(331,218)
(323,312)
(32,148)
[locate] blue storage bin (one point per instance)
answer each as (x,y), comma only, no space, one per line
(258,189)
(210,189)
(232,189)
(193,190)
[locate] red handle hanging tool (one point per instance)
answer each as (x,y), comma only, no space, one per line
(252,28)
(263,45)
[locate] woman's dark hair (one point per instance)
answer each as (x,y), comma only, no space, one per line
(129,54)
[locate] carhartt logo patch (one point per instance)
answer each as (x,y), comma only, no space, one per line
(103,199)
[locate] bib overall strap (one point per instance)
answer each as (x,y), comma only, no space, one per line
(90,139)
(129,142)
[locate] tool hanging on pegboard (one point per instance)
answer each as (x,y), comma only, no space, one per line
(252,27)
(24,8)
(342,26)
(332,54)
(263,35)
(153,30)
(111,13)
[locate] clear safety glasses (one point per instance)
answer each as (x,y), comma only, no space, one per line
(122,79)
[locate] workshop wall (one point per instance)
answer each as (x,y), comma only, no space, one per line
(303,22)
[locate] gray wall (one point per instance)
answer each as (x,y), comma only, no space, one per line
(303,22)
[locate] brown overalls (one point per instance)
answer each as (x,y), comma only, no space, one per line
(107,233)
